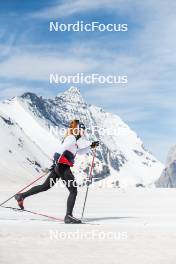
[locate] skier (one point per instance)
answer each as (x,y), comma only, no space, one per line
(63,160)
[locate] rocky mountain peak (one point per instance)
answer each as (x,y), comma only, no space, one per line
(72,95)
(168,175)
(29,95)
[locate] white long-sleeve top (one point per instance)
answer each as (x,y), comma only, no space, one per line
(71,145)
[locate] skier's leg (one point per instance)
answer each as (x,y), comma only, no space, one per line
(49,182)
(71,199)
(68,178)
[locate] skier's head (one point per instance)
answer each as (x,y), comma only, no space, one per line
(74,124)
(76,128)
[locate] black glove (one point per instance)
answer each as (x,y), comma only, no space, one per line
(95,144)
(52,167)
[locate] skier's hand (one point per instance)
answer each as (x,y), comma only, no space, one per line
(52,167)
(95,144)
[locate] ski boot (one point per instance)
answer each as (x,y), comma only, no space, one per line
(69,219)
(20,200)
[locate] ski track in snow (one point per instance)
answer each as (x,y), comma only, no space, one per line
(146,216)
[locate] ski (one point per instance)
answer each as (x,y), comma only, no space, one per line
(41,214)
(33,212)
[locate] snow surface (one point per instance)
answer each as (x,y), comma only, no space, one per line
(143,219)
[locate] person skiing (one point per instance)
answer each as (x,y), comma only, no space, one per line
(63,160)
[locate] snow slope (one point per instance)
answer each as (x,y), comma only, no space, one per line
(121,157)
(127,226)
(20,157)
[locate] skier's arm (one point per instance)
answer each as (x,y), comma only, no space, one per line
(87,149)
(83,151)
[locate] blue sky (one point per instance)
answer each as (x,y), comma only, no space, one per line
(146,53)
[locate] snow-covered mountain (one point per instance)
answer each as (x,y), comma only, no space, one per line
(20,156)
(31,127)
(168,176)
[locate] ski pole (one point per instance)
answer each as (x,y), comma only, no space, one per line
(89,178)
(24,188)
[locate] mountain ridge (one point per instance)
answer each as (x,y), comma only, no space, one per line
(167,178)
(121,154)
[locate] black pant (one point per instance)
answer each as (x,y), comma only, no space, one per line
(61,171)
